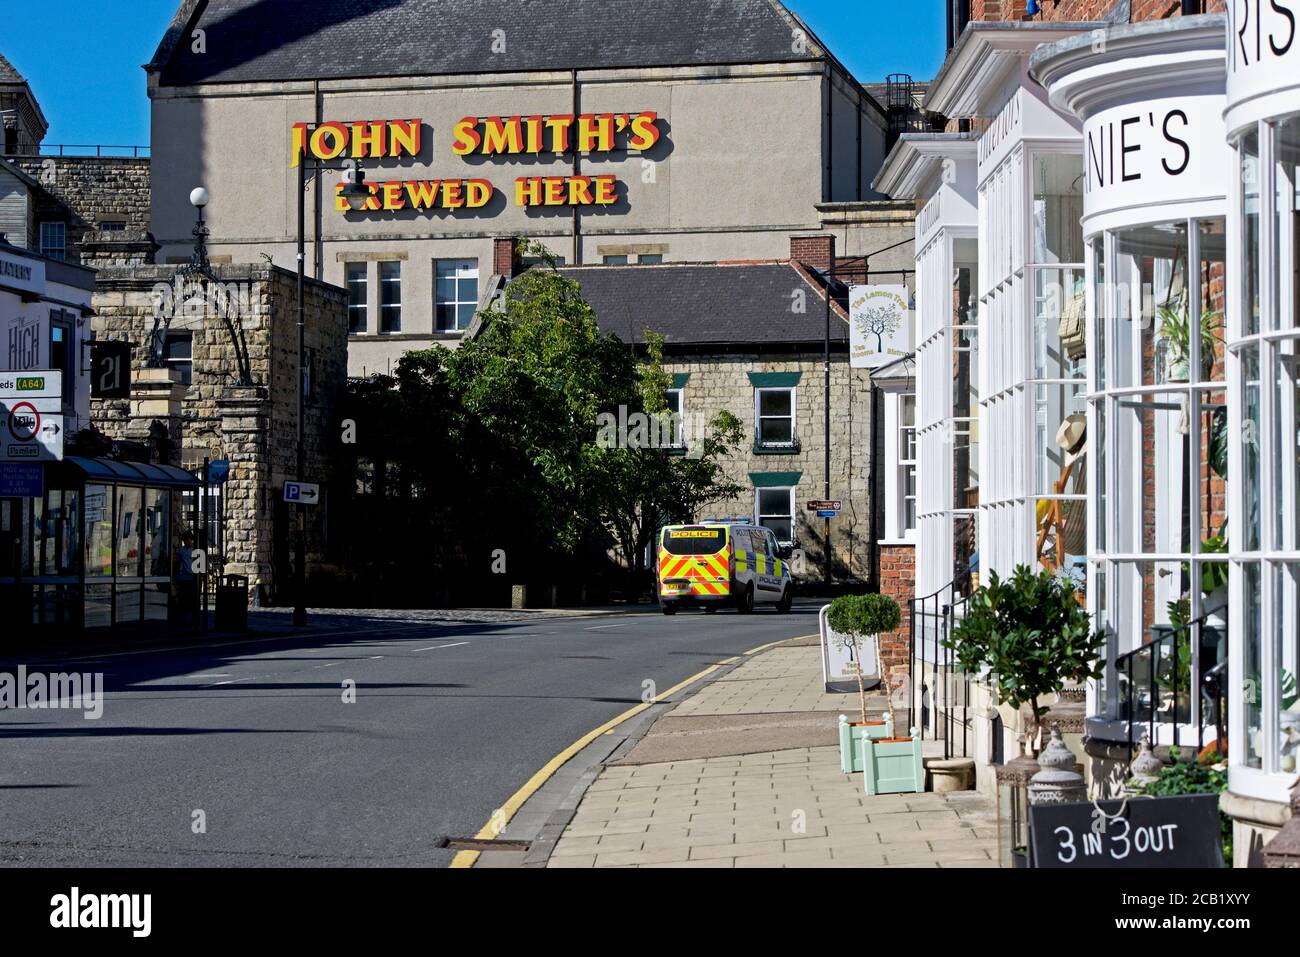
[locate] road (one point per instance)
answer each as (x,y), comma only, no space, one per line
(255,741)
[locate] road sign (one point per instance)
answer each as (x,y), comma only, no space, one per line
(110,370)
(27,386)
(825,506)
(218,472)
(826,513)
(21,480)
(29,435)
(300,493)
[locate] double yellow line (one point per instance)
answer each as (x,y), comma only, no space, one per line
(501,818)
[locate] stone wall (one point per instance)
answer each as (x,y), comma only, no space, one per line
(87,191)
(721,381)
(214,417)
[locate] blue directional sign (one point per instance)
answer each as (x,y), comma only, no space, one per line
(21,480)
(301,493)
(827,514)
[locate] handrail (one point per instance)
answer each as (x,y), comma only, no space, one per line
(65,150)
(1164,651)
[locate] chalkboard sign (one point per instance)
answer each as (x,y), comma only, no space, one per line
(1142,832)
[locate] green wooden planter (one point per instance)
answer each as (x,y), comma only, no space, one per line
(893,767)
(851,737)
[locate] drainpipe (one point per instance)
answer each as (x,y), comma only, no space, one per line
(577,169)
(317,214)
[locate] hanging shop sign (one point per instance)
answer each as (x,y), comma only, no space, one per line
(588,134)
(1263,52)
(880,328)
(1154,160)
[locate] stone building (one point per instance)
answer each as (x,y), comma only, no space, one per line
(718,128)
(194,410)
(749,337)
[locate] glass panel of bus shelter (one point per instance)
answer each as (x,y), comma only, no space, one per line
(99,532)
(130,503)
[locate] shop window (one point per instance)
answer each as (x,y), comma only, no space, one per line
(357,280)
(456,293)
(1162,444)
(54,240)
(178,353)
(1058,206)
(774,509)
(390,296)
(900,471)
(775,417)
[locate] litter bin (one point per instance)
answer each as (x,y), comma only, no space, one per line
(232,603)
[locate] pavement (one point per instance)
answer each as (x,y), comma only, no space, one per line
(368,739)
(745,772)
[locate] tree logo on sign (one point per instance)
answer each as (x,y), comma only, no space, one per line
(880,321)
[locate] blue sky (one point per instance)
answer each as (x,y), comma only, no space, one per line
(83,57)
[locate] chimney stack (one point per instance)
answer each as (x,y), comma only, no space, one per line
(815,250)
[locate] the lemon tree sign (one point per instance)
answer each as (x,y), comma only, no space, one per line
(879,328)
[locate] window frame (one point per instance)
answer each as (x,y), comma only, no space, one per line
(363,307)
(461,264)
(759,418)
(387,325)
(759,514)
(46,249)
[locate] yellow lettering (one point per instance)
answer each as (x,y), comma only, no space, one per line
(465,137)
(405,137)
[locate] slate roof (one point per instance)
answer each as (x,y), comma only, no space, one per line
(7,72)
(266,40)
(713,304)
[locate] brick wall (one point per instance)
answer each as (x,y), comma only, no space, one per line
(816,251)
(897,580)
(1080,10)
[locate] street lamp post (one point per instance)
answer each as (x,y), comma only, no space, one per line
(356,194)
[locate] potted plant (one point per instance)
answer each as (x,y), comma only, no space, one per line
(1175,330)
(852,620)
(1031,636)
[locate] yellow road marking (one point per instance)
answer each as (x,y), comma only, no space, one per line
(508,810)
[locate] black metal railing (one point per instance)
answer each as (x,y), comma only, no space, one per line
(83,150)
(1177,680)
(940,693)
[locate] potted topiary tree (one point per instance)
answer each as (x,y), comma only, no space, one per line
(889,765)
(850,622)
(1031,636)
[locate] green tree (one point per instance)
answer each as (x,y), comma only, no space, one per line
(646,483)
(1031,635)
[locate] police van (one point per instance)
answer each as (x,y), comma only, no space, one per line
(713,564)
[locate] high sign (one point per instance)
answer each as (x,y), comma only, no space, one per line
(880,327)
(557,136)
(1140,832)
(110,370)
(26,343)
